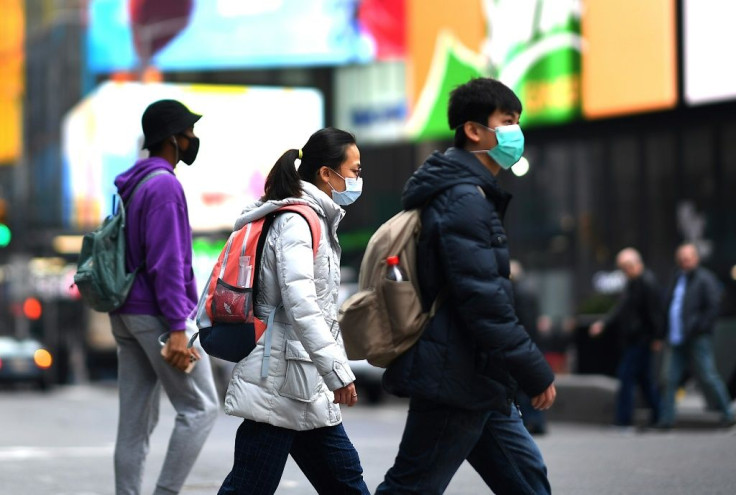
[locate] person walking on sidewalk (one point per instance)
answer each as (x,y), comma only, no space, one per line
(159,242)
(295,409)
(693,305)
(463,372)
(638,320)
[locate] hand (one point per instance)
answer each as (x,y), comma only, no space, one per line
(656,345)
(346,395)
(178,355)
(596,329)
(545,400)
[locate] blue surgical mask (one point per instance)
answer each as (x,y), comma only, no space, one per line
(510,145)
(353,189)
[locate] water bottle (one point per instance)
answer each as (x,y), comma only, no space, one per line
(394,271)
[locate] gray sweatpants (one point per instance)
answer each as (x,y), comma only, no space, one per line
(141,374)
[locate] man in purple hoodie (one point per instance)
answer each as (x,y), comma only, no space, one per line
(159,241)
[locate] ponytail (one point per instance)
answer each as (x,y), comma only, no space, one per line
(283,180)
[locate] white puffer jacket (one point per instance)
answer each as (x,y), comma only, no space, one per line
(308,359)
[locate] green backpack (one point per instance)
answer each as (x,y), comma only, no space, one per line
(101,277)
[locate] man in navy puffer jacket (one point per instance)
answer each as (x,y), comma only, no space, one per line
(463,373)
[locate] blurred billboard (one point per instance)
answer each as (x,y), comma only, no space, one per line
(219,34)
(709,36)
(370,101)
(243,131)
(533,46)
(12,27)
(630,57)
(566,59)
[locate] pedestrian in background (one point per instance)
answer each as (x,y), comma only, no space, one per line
(638,319)
(526,305)
(463,372)
(693,305)
(295,409)
(159,242)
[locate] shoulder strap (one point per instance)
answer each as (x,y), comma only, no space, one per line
(143,181)
(306,211)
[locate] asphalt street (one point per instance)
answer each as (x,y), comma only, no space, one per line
(61,443)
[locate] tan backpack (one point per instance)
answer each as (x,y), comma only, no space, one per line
(385,318)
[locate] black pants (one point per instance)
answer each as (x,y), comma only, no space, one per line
(325,456)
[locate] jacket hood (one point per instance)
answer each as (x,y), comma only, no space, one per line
(128,180)
(312,196)
(444,170)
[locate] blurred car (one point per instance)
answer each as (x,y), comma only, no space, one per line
(25,361)
(368,380)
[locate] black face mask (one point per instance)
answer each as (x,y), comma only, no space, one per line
(190,154)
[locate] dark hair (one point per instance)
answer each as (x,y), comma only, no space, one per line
(475,101)
(156,148)
(326,147)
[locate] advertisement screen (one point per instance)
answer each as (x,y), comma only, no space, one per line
(11,79)
(532,46)
(630,60)
(709,39)
(243,131)
(565,59)
(215,34)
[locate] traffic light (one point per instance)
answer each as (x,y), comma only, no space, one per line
(5,234)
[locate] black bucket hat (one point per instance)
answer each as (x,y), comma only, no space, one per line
(165,118)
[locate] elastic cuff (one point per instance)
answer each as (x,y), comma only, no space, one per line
(340,376)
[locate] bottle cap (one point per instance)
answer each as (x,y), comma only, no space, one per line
(392,260)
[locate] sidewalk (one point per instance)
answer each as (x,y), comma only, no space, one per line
(591,399)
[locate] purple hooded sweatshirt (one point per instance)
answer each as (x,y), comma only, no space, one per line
(158,232)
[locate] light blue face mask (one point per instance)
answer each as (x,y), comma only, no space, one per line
(510,145)
(353,189)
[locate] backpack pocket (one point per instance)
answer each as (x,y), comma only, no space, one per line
(231,304)
(302,381)
(358,313)
(405,313)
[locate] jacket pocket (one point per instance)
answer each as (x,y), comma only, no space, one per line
(302,380)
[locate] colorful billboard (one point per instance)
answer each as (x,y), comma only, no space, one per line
(533,46)
(128,35)
(12,27)
(243,132)
(566,59)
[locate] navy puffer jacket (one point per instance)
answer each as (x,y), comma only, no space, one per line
(473,353)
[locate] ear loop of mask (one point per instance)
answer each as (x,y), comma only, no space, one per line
(330,183)
(176,145)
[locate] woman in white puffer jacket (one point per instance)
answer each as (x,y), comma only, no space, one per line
(295,408)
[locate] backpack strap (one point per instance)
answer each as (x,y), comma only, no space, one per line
(442,294)
(145,179)
(125,204)
(267,341)
(312,219)
(315,228)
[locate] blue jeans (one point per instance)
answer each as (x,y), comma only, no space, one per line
(635,368)
(699,350)
(534,419)
(325,456)
(437,439)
